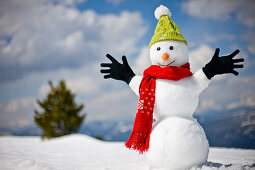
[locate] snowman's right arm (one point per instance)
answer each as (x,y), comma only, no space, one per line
(122,72)
(117,70)
(135,83)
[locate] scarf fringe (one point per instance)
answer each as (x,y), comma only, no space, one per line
(138,141)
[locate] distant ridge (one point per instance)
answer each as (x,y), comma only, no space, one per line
(234,128)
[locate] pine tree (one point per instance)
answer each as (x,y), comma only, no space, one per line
(60,114)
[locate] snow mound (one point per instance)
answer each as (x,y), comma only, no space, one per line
(81,152)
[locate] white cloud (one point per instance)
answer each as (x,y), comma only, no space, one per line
(115,2)
(214,38)
(225,91)
(228,93)
(81,86)
(72,42)
(143,61)
(16,104)
(251,48)
(44,90)
(200,56)
(18,112)
(103,99)
(222,9)
(119,104)
(247,96)
(208,104)
(250,38)
(244,101)
(248,61)
(52,40)
(38,35)
(69,2)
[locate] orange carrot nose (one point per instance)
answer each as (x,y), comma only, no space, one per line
(165,56)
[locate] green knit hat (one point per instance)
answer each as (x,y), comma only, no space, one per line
(166,29)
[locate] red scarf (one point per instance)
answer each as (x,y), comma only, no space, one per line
(140,136)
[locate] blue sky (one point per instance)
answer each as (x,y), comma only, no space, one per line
(43,40)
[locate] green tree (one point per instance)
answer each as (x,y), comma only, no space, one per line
(60,114)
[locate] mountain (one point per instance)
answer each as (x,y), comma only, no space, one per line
(232,128)
(31,130)
(235,128)
(109,130)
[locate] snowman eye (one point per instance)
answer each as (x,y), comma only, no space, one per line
(158,48)
(171,48)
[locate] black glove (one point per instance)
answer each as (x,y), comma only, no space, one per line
(118,71)
(222,65)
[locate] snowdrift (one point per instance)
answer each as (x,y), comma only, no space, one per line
(81,152)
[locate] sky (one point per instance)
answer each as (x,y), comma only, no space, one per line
(42,40)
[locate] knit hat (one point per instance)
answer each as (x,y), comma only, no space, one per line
(166,29)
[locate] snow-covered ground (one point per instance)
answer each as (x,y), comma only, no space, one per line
(81,152)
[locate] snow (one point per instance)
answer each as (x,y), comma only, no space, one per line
(81,152)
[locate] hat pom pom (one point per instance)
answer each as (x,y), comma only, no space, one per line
(162,10)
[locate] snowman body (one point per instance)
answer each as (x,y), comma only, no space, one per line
(177,141)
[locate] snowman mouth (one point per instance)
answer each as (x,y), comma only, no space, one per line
(167,64)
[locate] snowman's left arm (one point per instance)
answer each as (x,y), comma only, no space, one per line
(218,65)
(222,65)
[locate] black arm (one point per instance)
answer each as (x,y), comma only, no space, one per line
(116,70)
(222,65)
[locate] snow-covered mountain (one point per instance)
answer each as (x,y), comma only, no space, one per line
(233,128)
(81,152)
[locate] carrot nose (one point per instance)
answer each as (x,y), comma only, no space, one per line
(165,56)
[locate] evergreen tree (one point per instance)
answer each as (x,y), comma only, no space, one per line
(60,114)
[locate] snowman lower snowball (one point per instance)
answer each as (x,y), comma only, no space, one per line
(170,92)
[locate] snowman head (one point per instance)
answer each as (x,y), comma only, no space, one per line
(167,47)
(169,53)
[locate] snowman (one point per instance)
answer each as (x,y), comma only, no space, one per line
(169,92)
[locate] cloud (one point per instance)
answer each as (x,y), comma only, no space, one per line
(225,91)
(38,35)
(251,48)
(250,38)
(18,112)
(200,56)
(208,104)
(245,101)
(81,86)
(243,10)
(143,61)
(15,105)
(103,99)
(228,93)
(119,104)
(69,2)
(247,95)
(53,40)
(214,38)
(115,2)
